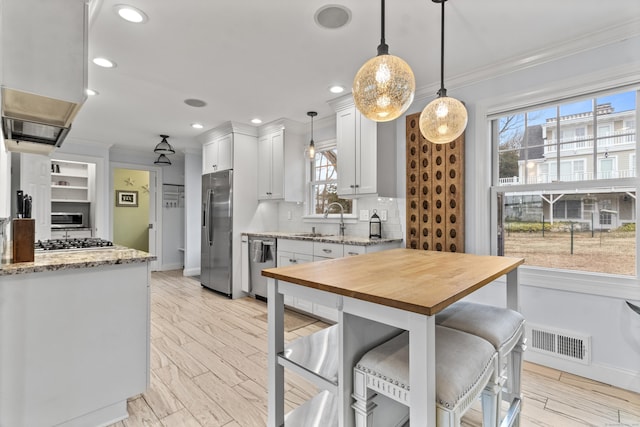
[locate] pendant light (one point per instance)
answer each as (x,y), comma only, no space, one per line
(162,160)
(312,147)
(445,118)
(164,147)
(384,86)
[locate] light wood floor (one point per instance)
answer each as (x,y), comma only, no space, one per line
(209,368)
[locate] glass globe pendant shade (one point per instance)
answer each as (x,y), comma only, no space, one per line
(383,88)
(443,120)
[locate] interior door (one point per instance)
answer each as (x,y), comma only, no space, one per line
(153,218)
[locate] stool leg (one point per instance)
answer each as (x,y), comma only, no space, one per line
(491,398)
(515,375)
(363,405)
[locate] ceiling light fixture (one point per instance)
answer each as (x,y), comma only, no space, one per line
(130,14)
(336,89)
(164,147)
(91,92)
(104,62)
(445,118)
(384,86)
(256,121)
(162,161)
(312,147)
(197,125)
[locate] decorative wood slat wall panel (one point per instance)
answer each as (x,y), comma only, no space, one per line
(435,191)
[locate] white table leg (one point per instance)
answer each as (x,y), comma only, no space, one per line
(422,370)
(275,324)
(513,299)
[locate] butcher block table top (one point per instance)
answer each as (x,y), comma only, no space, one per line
(420,281)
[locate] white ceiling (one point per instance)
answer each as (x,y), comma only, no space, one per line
(269,59)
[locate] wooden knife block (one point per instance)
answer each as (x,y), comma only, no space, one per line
(23,231)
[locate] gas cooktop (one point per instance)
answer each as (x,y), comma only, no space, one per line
(71,244)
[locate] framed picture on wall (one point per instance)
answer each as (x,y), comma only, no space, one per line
(128,199)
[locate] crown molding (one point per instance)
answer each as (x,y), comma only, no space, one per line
(597,39)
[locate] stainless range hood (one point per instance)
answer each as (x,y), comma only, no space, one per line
(33,123)
(43,71)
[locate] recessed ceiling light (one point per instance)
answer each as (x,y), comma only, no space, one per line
(130,14)
(104,62)
(332,16)
(336,89)
(91,92)
(196,125)
(256,121)
(192,102)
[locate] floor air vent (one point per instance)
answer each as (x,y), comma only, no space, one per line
(563,344)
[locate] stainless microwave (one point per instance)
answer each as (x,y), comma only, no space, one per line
(67,220)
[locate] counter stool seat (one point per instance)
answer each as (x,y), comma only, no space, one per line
(502,327)
(465,370)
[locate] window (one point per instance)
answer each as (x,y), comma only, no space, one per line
(552,209)
(323,180)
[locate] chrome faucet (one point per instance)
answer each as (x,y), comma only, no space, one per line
(326,214)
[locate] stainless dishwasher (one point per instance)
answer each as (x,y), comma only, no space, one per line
(262,254)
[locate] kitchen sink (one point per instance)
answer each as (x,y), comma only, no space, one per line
(312,235)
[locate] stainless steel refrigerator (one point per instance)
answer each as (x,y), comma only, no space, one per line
(217,231)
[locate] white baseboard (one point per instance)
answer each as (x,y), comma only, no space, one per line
(622,378)
(191,272)
(173,266)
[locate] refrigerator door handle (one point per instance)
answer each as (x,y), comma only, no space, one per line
(210,212)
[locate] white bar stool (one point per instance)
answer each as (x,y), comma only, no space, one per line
(502,327)
(466,368)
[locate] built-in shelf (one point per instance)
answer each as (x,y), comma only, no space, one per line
(70,181)
(314,357)
(321,410)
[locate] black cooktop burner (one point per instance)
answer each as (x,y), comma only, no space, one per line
(69,244)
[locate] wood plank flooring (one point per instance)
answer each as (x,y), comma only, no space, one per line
(209,368)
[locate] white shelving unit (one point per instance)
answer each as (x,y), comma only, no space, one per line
(70,181)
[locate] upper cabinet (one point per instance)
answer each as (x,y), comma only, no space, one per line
(43,45)
(217,155)
(281,162)
(367,153)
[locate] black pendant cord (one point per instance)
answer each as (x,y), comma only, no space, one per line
(383,48)
(442,91)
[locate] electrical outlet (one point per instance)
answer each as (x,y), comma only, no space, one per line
(383,215)
(364,215)
(289,215)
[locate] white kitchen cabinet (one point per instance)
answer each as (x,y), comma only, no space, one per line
(217,155)
(292,252)
(366,150)
(35,180)
(281,162)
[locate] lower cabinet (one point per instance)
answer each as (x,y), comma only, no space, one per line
(70,234)
(292,252)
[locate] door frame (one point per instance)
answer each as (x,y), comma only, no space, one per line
(155,210)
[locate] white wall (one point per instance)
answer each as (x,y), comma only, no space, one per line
(587,304)
(193,200)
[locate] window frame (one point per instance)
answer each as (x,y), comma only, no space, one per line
(310,215)
(576,281)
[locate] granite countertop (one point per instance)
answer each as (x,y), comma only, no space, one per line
(324,238)
(66,260)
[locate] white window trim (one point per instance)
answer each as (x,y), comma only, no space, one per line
(333,217)
(613,81)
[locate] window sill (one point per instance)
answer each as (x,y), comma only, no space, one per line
(580,282)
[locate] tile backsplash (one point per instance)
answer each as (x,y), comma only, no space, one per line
(291,218)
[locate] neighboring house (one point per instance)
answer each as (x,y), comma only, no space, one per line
(611,138)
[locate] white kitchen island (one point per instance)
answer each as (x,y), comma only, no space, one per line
(74,337)
(377,295)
